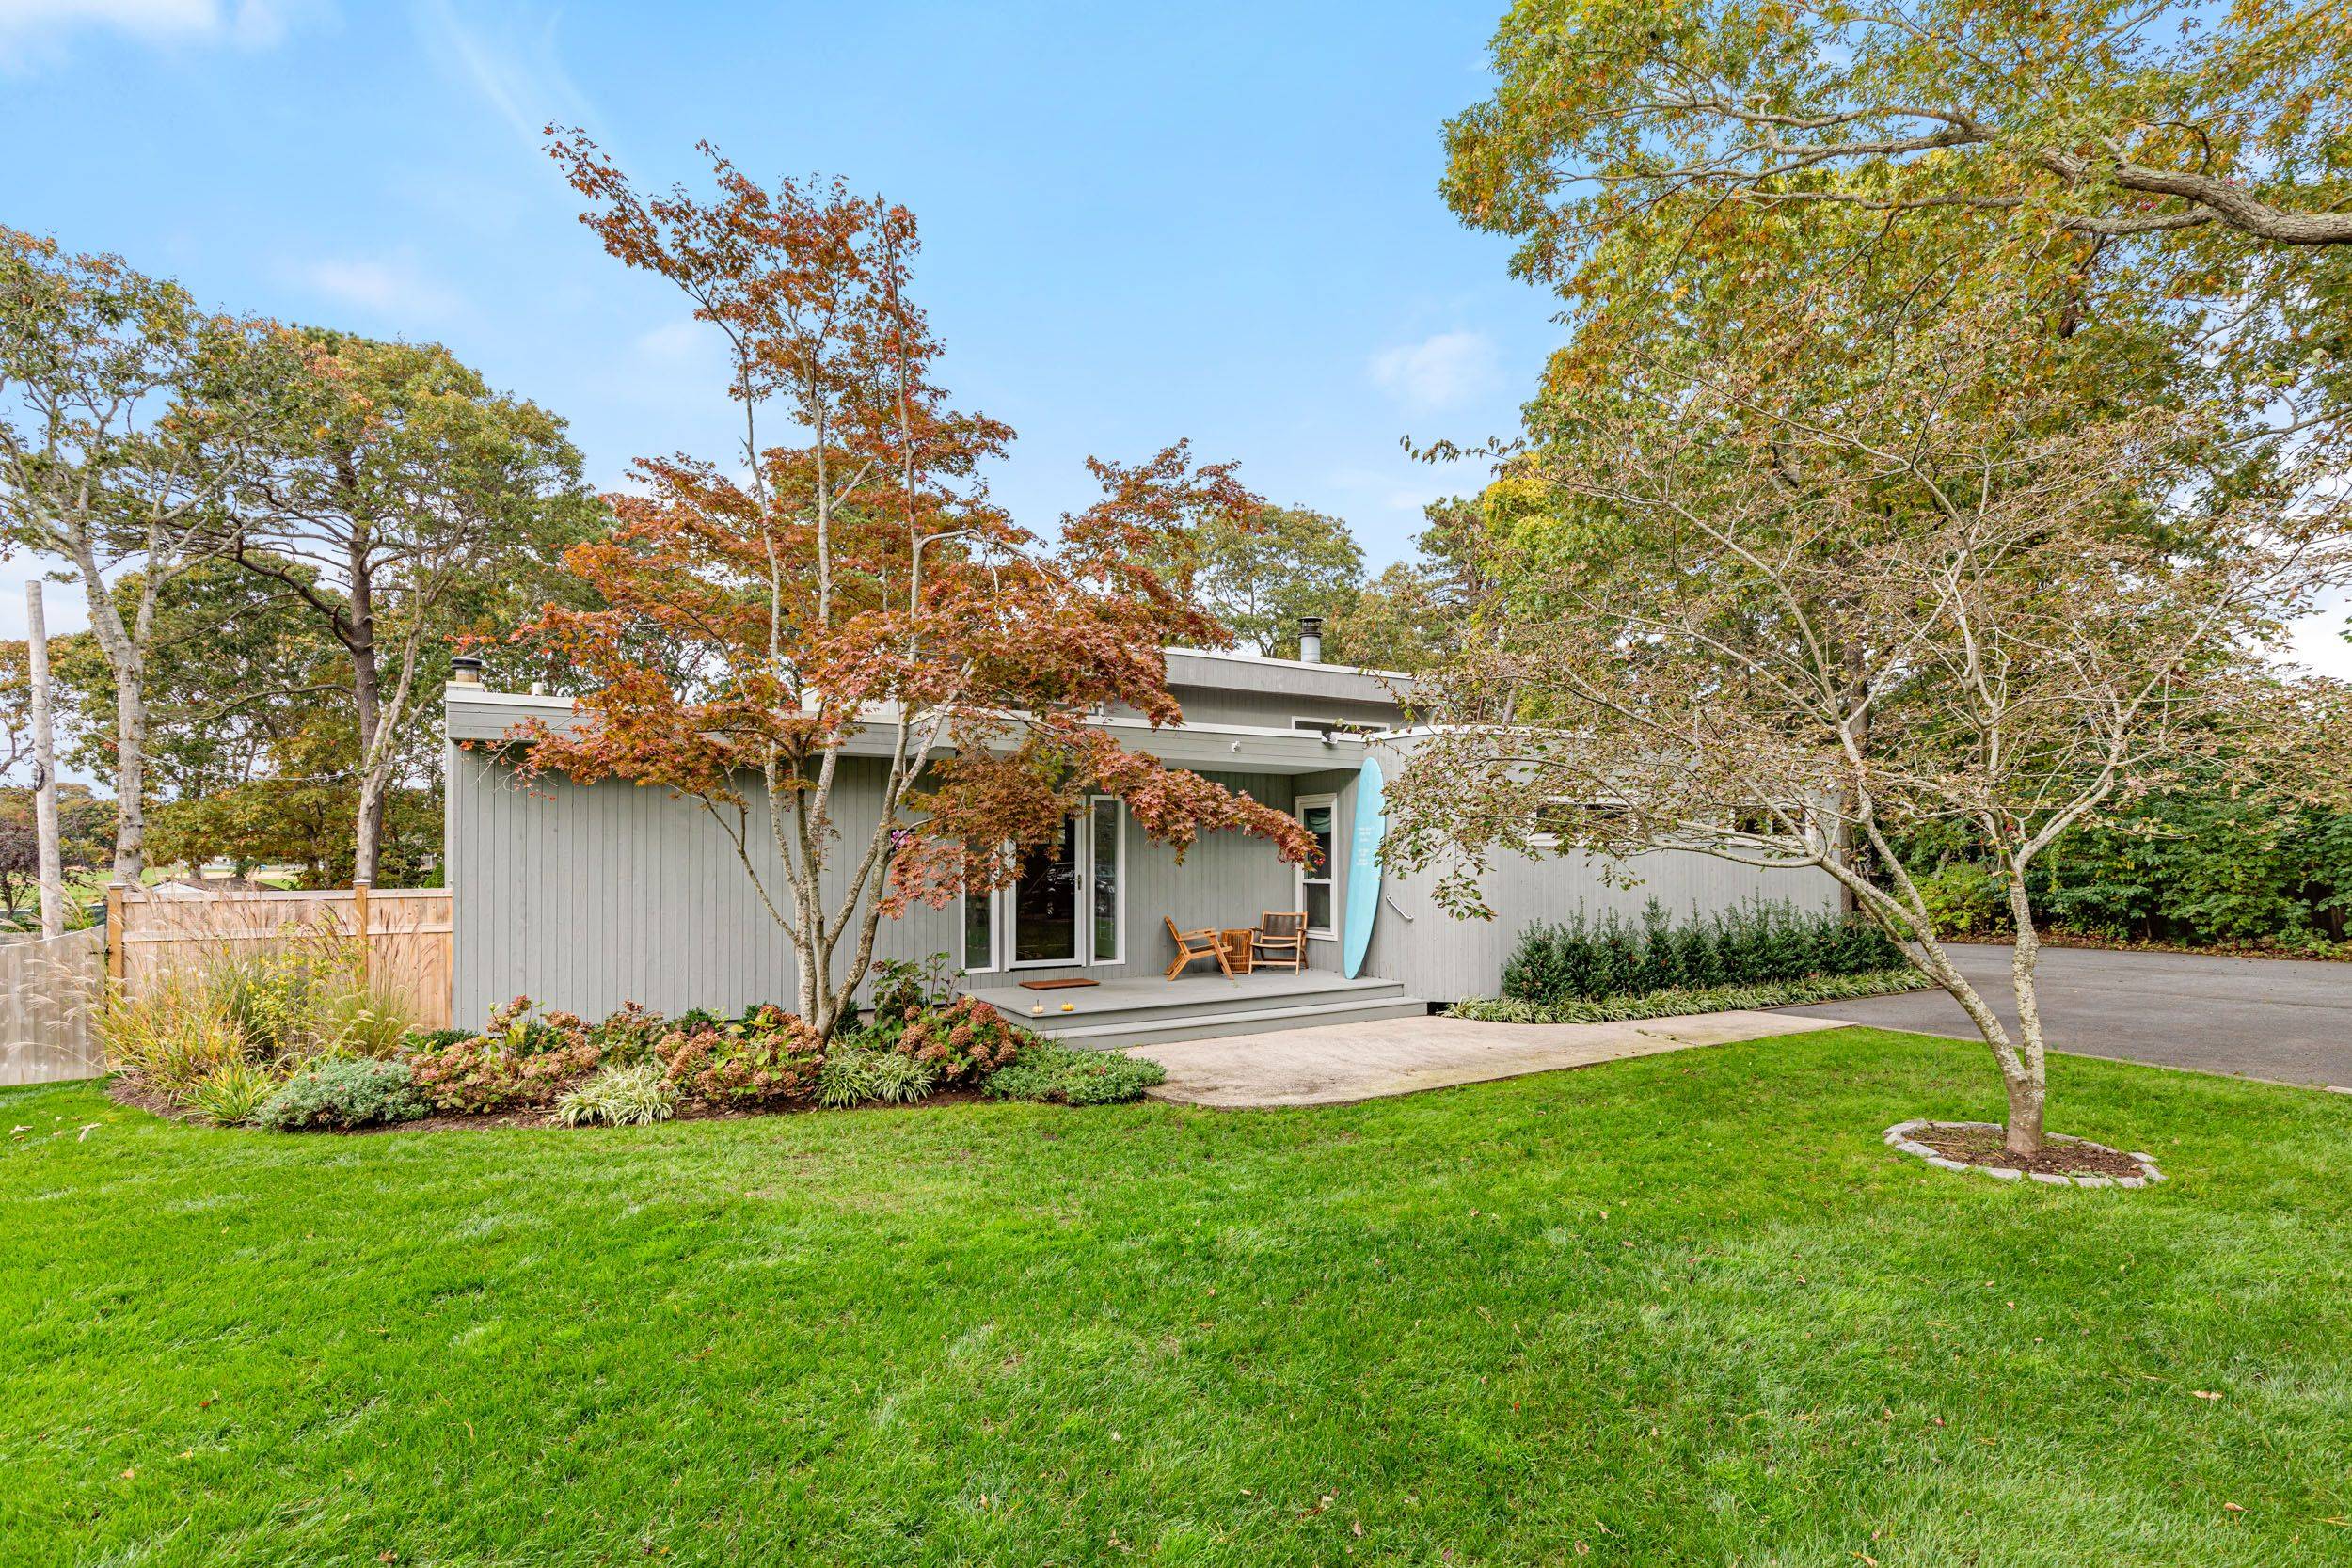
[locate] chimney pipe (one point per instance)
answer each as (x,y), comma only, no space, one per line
(465,670)
(1310,639)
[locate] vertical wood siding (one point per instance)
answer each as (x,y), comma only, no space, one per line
(585,896)
(1441,957)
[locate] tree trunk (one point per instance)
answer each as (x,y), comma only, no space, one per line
(367,709)
(2029,1082)
(130,773)
(2027,1090)
(48,869)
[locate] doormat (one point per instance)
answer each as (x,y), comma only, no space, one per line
(1056,985)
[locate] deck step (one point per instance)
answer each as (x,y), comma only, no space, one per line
(1200,1025)
(1124,1003)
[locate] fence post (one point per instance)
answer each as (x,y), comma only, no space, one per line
(359,923)
(115,934)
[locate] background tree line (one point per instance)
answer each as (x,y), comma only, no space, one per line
(281,534)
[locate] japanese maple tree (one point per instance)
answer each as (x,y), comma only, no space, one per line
(877,685)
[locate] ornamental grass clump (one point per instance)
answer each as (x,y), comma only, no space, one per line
(859,1071)
(236,1023)
(635,1094)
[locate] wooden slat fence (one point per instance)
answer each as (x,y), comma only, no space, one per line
(408,934)
(49,997)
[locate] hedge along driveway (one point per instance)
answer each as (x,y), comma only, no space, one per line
(1680,1310)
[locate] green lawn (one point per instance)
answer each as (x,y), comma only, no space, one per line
(1681,1310)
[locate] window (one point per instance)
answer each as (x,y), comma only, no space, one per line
(1109,878)
(979,932)
(1320,815)
(1336,726)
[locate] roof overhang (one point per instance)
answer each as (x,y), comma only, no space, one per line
(476,714)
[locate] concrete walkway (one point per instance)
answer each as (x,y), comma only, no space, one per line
(1345,1063)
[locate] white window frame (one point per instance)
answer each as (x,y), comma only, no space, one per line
(1118,831)
(1330,870)
(996,931)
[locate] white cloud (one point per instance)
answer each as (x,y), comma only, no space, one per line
(38,28)
(2317,643)
(518,71)
(394,288)
(1443,371)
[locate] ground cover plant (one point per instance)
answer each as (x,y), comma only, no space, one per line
(1681,1310)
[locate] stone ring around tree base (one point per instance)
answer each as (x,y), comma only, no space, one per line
(1901,1137)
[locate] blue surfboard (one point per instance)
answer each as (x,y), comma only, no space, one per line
(1363,867)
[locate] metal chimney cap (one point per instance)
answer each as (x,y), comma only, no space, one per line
(466,670)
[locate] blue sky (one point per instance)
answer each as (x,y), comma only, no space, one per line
(1140,221)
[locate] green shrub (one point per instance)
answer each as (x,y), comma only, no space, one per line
(766,1057)
(858,1071)
(229,1094)
(963,1041)
(1583,959)
(635,1094)
(1055,1073)
(1964,899)
(343,1092)
(518,1062)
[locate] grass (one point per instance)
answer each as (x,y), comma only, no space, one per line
(1686,1308)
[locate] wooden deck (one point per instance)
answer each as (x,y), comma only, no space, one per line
(1139,1011)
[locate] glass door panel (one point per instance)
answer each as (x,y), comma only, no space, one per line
(1045,905)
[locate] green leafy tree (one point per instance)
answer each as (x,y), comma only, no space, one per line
(125,414)
(404,503)
(1260,573)
(2175,176)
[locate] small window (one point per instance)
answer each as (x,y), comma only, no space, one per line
(979,932)
(1319,814)
(1108,872)
(1335,726)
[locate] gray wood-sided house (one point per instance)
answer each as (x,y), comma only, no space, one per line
(584,896)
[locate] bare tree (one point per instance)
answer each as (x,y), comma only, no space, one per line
(1947,601)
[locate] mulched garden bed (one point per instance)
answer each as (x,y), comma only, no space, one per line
(124,1090)
(1978,1145)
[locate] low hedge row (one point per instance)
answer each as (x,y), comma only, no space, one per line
(1583,959)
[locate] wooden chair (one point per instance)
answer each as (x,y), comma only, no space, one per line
(1280,939)
(1194,945)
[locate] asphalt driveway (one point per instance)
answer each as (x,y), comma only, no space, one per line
(2279,1019)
